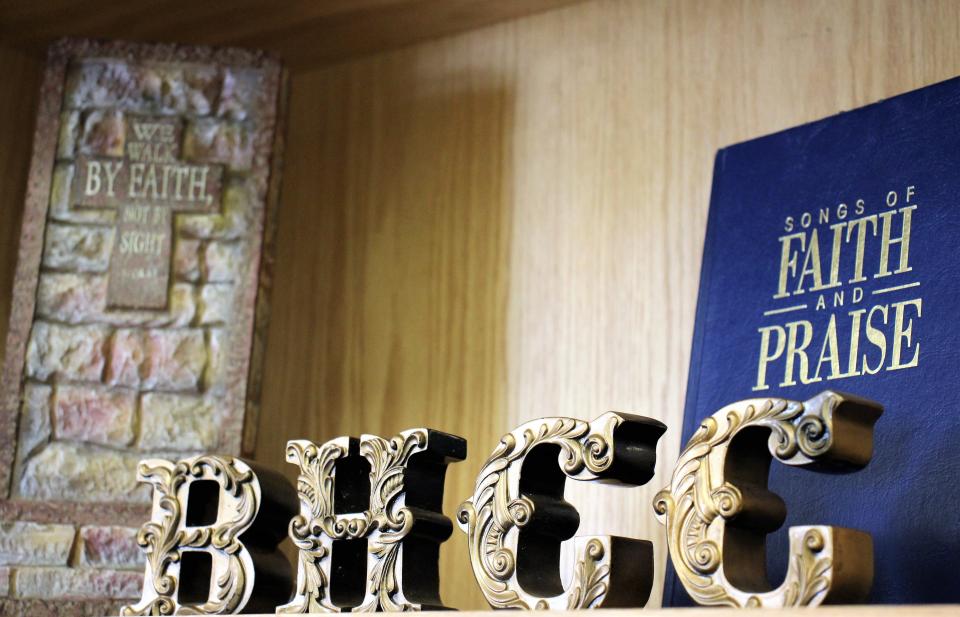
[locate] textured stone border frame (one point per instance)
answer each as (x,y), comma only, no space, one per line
(247,351)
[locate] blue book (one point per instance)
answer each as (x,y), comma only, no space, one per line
(832,262)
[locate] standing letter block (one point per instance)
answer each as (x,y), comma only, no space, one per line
(718,510)
(371,521)
(517,517)
(211,543)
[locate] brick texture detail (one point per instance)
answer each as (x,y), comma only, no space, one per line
(83,473)
(76,583)
(177,422)
(110,547)
(43,607)
(35,544)
(94,414)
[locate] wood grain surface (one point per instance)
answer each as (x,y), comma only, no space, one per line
(303,32)
(19,89)
(507,224)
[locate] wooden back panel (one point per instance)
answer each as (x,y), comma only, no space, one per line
(508,224)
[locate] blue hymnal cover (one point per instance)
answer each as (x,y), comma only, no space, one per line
(832,261)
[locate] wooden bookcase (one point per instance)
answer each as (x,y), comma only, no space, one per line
(505,222)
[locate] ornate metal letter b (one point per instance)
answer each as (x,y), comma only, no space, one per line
(211,543)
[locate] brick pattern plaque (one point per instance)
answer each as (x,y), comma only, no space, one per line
(135,303)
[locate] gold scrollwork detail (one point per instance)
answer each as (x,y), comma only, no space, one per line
(384,525)
(165,537)
(706,495)
(497,512)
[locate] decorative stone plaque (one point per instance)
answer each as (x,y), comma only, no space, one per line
(134,317)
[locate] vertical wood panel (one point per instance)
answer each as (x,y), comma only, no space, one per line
(306,33)
(393,240)
(18,103)
(508,224)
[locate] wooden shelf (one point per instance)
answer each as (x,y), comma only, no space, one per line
(488,228)
(925,610)
(302,32)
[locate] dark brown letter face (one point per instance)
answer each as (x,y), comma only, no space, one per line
(718,510)
(371,521)
(211,543)
(517,517)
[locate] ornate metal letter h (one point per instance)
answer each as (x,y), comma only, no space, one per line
(211,543)
(371,521)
